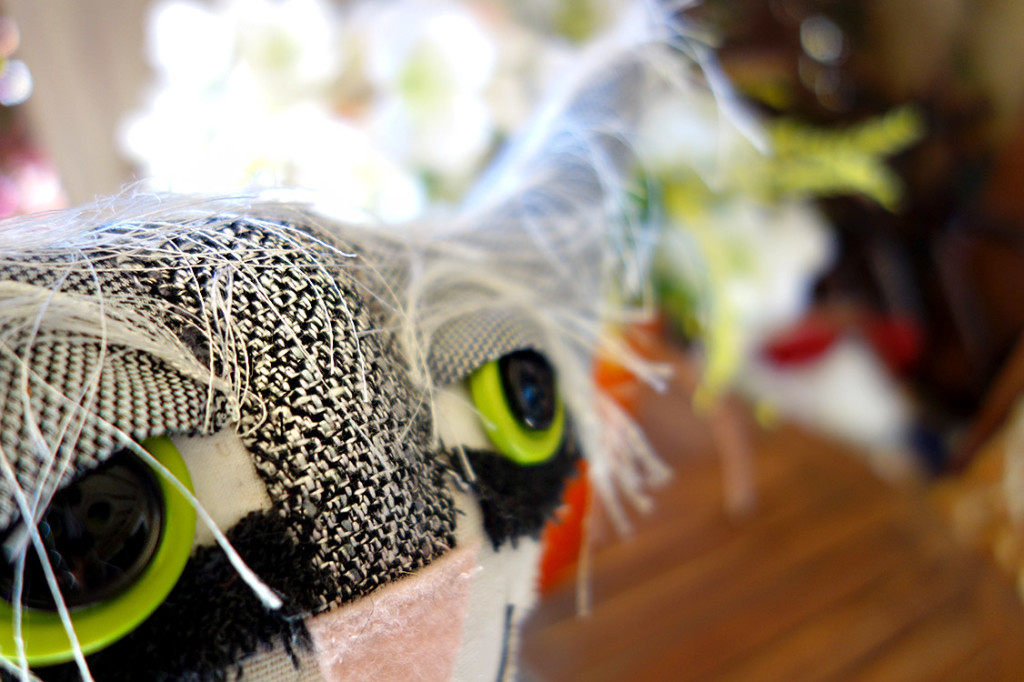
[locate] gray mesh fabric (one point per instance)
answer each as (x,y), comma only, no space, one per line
(138,393)
(467,342)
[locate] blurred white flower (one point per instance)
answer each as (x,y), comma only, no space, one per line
(777,253)
(747,268)
(302,146)
(242,99)
(577,20)
(739,264)
(290,47)
(429,64)
(413,93)
(347,172)
(688,133)
(292,43)
(189,46)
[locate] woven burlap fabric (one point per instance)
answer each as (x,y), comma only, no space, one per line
(322,400)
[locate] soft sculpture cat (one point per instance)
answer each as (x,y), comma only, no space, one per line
(255,443)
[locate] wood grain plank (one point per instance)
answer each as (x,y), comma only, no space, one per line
(836,575)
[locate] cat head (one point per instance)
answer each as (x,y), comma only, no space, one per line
(247,439)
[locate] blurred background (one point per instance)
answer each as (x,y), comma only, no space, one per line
(852,296)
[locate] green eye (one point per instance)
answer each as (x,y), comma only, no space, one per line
(118,539)
(521,408)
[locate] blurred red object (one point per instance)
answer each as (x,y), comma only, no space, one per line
(803,342)
(562,539)
(895,339)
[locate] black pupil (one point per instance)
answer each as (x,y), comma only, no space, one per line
(529,384)
(100,533)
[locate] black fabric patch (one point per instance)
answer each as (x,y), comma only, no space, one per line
(212,619)
(516,500)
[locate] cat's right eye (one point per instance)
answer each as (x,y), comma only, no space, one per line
(521,407)
(116,540)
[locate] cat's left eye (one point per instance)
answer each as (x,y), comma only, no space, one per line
(116,539)
(520,405)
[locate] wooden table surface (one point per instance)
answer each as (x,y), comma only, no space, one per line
(834,575)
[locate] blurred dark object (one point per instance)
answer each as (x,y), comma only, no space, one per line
(949,261)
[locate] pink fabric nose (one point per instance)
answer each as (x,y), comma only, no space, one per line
(409,630)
